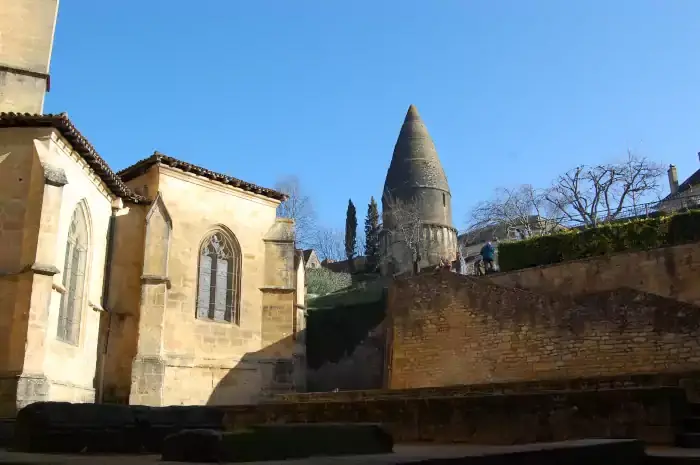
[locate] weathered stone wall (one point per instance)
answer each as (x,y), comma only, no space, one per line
(119,327)
(670,272)
(437,242)
(180,359)
(46,181)
(448,329)
(452,416)
(362,369)
(72,368)
(21,188)
(27,39)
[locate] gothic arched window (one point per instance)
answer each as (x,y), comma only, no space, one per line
(74,278)
(218,284)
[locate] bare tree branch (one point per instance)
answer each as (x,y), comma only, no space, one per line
(329,244)
(299,208)
(405,226)
(522,208)
(588,195)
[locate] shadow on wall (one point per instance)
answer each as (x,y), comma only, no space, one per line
(276,369)
(345,343)
(360,369)
(344,350)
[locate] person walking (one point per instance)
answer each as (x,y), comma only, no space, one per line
(488,253)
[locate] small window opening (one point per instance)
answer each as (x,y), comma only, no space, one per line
(444,202)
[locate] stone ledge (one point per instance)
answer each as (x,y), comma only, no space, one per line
(61,427)
(686,380)
(54,176)
(649,414)
(153,279)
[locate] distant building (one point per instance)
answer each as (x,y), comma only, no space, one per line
(311,260)
(345,266)
(684,195)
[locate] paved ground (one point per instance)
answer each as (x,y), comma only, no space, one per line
(403,454)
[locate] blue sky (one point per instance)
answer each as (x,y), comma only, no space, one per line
(512,92)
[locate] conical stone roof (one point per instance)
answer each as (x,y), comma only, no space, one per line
(415,163)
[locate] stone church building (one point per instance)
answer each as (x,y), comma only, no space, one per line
(162,284)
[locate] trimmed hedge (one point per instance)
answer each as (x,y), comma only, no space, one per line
(642,234)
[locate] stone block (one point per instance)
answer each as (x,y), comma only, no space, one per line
(277,442)
(105,428)
(195,445)
(447,416)
(7,431)
(156,423)
(583,452)
(72,428)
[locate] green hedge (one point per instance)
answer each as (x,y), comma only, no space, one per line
(643,234)
(322,281)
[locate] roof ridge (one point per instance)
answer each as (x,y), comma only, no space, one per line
(115,181)
(62,123)
(415,163)
(138,168)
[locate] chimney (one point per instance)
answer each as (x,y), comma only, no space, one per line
(673,178)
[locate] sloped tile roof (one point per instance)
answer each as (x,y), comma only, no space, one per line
(80,144)
(142,166)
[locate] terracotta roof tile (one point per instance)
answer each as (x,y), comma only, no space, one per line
(80,144)
(142,166)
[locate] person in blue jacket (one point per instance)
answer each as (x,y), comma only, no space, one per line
(487,255)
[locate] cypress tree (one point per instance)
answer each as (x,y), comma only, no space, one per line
(351,231)
(372,233)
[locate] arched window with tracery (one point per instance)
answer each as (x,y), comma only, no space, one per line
(74,277)
(218,287)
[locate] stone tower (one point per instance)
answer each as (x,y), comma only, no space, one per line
(26,39)
(416,203)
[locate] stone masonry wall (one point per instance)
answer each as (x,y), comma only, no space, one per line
(360,370)
(179,358)
(448,329)
(449,416)
(671,272)
(27,39)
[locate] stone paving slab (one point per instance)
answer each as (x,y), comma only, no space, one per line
(404,454)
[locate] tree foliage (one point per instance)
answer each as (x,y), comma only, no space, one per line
(583,196)
(298,207)
(405,227)
(588,195)
(372,233)
(322,281)
(328,244)
(642,234)
(351,231)
(523,208)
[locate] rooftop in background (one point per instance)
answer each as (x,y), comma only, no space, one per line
(678,190)
(142,166)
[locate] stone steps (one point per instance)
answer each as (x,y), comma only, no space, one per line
(689,435)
